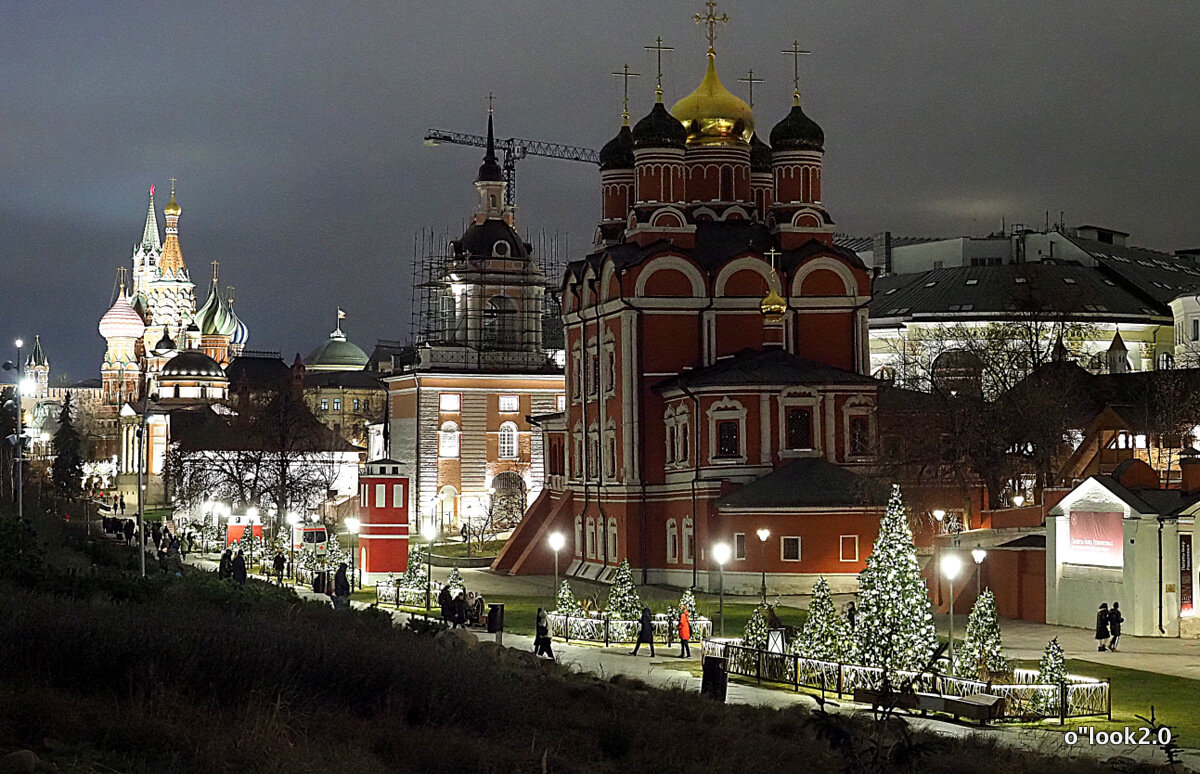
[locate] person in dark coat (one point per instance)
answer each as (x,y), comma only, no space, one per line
(1102,626)
(1115,619)
(851,614)
(239,568)
(341,587)
(225,566)
(645,633)
(541,642)
(278,564)
(122,504)
(128,532)
(445,600)
(458,610)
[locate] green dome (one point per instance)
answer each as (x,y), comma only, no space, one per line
(337,354)
(215,318)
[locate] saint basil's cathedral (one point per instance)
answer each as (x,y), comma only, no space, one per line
(717,360)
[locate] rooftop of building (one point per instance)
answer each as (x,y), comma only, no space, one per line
(759,368)
(811,482)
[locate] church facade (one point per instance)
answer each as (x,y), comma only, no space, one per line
(717,360)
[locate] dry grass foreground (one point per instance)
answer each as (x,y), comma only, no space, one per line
(105,672)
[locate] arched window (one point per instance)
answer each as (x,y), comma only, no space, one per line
(500,323)
(672,542)
(590,538)
(448,441)
(579,536)
(492,201)
(508,441)
(689,551)
(726,184)
(612,539)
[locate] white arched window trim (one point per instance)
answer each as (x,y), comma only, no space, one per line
(672,542)
(590,538)
(612,539)
(448,441)
(689,542)
(508,441)
(579,536)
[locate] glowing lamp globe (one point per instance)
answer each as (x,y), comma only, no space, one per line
(353,525)
(557,541)
(721,553)
(951,566)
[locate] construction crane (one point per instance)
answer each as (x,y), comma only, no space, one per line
(514,149)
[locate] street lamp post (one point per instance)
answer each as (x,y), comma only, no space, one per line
(978,554)
(763,534)
(430,533)
(557,541)
(292,519)
(354,525)
(720,553)
(951,565)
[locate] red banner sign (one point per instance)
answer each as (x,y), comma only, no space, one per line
(1095,538)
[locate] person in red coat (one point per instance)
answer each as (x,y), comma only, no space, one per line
(685,634)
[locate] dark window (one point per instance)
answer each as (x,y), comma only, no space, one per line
(739,545)
(791,549)
(726,184)
(799,428)
(860,436)
(727,439)
(671,443)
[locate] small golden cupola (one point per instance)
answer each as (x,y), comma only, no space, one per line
(712,114)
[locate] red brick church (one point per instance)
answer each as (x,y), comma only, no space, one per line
(717,352)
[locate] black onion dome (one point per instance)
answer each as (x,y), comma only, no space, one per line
(760,155)
(165,344)
(479,240)
(797,132)
(617,153)
(659,129)
(191,363)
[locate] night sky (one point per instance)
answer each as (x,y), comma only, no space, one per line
(295,131)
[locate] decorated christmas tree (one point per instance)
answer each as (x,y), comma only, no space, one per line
(895,623)
(566,603)
(417,573)
(755,634)
(981,654)
(1052,670)
(687,601)
(455,580)
(623,600)
(826,634)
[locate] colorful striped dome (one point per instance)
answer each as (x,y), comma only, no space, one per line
(121,321)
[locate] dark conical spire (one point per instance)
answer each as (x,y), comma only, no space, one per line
(489,171)
(1059,354)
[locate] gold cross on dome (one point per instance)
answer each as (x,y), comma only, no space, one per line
(750,79)
(772,254)
(172,186)
(795,52)
(625,74)
(214,265)
(710,20)
(490,99)
(659,48)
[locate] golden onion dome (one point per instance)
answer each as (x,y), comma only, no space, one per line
(172,207)
(772,306)
(712,114)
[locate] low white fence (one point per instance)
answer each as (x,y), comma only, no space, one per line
(599,628)
(1024,697)
(391,594)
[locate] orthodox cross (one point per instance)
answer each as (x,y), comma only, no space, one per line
(172,186)
(795,52)
(490,98)
(772,254)
(625,74)
(710,20)
(214,279)
(659,48)
(121,279)
(229,293)
(750,79)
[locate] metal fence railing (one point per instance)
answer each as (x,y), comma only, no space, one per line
(1024,697)
(598,628)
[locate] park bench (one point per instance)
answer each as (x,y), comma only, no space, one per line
(977,706)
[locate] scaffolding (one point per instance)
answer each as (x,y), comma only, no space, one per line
(494,311)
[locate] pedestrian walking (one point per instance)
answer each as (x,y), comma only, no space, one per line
(1115,619)
(128,532)
(122,504)
(278,564)
(1102,633)
(445,600)
(458,609)
(541,641)
(685,634)
(225,566)
(851,614)
(341,588)
(645,633)
(239,568)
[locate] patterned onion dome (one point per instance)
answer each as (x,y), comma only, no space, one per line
(617,153)
(214,318)
(191,364)
(659,129)
(712,114)
(239,330)
(121,321)
(797,132)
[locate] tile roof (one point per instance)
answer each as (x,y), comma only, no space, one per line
(1156,275)
(810,482)
(758,368)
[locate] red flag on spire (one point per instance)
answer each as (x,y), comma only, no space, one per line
(151,190)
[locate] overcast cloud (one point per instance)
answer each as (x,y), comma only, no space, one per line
(295,131)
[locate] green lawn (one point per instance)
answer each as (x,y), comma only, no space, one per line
(490,548)
(1133,691)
